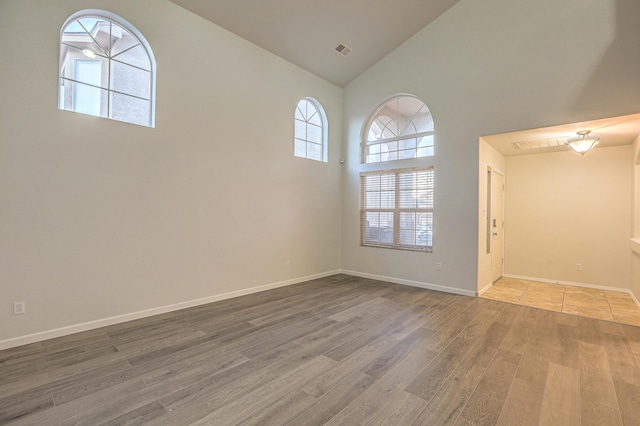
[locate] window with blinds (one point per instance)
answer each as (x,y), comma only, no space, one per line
(396,209)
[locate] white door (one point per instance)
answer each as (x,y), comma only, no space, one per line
(497,225)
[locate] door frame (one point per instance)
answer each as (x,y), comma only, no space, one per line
(491,218)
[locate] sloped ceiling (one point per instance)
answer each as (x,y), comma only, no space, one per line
(305,32)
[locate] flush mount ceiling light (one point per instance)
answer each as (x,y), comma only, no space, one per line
(89,53)
(583,143)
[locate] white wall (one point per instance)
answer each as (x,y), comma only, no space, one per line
(489,157)
(563,209)
(100,218)
(488,67)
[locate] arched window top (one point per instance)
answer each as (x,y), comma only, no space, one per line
(400,128)
(310,130)
(107,68)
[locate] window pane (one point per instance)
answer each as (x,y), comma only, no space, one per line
(136,56)
(387,199)
(75,35)
(373,158)
(407,229)
(425,146)
(424,233)
(89,24)
(388,182)
(315,118)
(300,148)
(389,147)
(372,200)
(408,199)
(90,71)
(121,40)
(85,99)
(314,133)
(407,143)
(300,130)
(314,151)
(129,80)
(423,121)
(378,228)
(130,109)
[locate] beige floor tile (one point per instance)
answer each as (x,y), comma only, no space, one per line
(617,295)
(535,285)
(587,302)
(627,318)
(512,283)
(543,294)
(591,292)
(624,307)
(542,304)
(587,311)
(503,296)
(597,301)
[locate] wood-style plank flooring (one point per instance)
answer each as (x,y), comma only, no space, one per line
(340,351)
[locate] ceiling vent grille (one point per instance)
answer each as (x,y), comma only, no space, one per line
(342,49)
(544,143)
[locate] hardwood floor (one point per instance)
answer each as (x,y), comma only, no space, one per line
(340,351)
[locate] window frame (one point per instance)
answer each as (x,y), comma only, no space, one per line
(324,128)
(397,210)
(110,92)
(382,142)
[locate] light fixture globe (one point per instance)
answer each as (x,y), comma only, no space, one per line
(583,143)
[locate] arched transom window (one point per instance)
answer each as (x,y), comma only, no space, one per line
(107,68)
(400,128)
(310,130)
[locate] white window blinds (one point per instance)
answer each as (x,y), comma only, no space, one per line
(396,209)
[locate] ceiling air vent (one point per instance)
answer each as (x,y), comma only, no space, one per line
(342,49)
(544,143)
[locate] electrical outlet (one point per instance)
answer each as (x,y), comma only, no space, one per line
(18,308)
(439,266)
(287,264)
(578,267)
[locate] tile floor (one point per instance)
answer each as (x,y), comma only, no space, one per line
(586,302)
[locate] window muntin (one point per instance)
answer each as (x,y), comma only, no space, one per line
(107,69)
(396,209)
(400,128)
(310,139)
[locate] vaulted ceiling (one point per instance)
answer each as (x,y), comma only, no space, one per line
(306,32)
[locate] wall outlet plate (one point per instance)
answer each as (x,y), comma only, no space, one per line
(18,308)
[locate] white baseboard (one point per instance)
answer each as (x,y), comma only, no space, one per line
(485,288)
(428,286)
(574,284)
(91,325)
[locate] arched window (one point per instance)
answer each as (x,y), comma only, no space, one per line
(310,130)
(107,68)
(400,128)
